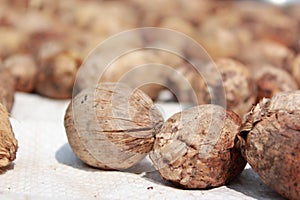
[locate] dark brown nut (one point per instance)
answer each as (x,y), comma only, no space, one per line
(112,126)
(195,148)
(271,80)
(270,142)
(268,52)
(56,74)
(296,69)
(7,89)
(8,142)
(24,70)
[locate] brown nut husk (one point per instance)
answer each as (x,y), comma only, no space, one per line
(56,74)
(239,86)
(24,70)
(7,89)
(268,52)
(8,142)
(296,69)
(270,142)
(112,126)
(196,147)
(271,80)
(237,81)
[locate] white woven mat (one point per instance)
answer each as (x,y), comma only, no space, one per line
(46,167)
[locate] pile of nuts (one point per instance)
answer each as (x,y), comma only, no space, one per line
(255,48)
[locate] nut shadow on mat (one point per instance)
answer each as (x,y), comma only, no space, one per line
(251,185)
(5,169)
(155,177)
(65,155)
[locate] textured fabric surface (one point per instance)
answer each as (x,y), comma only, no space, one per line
(46,167)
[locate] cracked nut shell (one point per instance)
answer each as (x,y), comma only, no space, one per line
(196,147)
(270,142)
(112,126)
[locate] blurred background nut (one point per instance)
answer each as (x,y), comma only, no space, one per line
(193,87)
(56,74)
(268,52)
(267,21)
(24,70)
(296,69)
(7,88)
(8,142)
(271,80)
(240,88)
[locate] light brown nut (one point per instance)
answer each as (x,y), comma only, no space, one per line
(271,80)
(8,142)
(267,21)
(24,70)
(112,126)
(268,52)
(56,74)
(195,148)
(11,41)
(7,89)
(296,69)
(270,142)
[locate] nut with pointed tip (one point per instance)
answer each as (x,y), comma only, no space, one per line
(112,126)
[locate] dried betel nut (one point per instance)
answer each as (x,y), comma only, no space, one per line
(239,85)
(270,142)
(56,74)
(23,69)
(196,147)
(112,126)
(271,80)
(7,89)
(8,142)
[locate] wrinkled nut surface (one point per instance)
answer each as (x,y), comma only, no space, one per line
(271,80)
(270,142)
(112,126)
(7,89)
(196,149)
(8,143)
(24,70)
